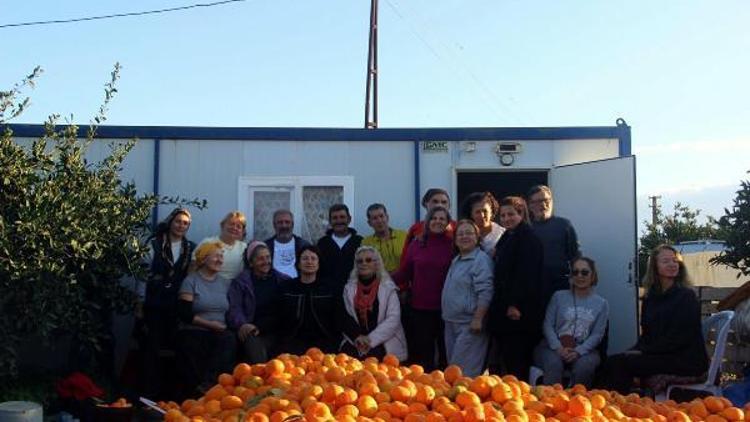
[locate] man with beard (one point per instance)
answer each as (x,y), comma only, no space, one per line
(337,248)
(285,245)
(558,238)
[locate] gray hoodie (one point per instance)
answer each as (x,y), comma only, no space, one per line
(469,285)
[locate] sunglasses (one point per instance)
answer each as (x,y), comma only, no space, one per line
(364,260)
(581,272)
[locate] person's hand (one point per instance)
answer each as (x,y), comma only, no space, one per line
(572,356)
(247,330)
(475,326)
(217,326)
(513,313)
(562,352)
(362,343)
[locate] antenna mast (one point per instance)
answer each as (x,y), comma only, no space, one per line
(371,100)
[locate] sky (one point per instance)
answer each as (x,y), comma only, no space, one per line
(676,71)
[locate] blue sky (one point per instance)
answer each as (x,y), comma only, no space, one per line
(677,72)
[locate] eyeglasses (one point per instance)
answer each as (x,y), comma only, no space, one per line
(581,272)
(367,260)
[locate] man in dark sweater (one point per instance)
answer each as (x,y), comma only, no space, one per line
(337,248)
(558,238)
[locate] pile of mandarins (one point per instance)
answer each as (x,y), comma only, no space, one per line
(320,387)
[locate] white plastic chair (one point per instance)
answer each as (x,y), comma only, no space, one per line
(719,321)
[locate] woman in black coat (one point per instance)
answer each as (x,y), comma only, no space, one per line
(671,340)
(516,312)
(309,307)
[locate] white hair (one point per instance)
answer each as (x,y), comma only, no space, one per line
(380,271)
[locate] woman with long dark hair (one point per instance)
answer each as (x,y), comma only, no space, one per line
(170,254)
(482,208)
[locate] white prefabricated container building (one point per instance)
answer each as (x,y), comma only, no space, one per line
(257,170)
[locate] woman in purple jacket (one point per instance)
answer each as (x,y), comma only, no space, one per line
(422,275)
(254,303)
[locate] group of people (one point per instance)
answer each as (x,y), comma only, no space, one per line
(471,292)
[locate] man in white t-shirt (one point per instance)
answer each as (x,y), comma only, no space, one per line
(285,244)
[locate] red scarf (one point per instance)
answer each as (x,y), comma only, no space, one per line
(364,299)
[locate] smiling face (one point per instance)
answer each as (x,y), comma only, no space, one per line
(309,263)
(214,261)
(179,226)
(481,213)
(438,222)
(581,276)
(509,217)
(262,262)
(366,263)
(667,265)
(466,238)
(233,229)
(438,200)
(340,222)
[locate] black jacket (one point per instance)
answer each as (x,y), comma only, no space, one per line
(299,243)
(308,316)
(166,273)
(336,264)
(671,325)
(518,281)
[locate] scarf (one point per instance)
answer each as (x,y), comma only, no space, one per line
(166,254)
(364,298)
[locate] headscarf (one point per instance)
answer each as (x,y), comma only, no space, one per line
(205,250)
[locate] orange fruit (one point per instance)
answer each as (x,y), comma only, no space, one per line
(579,406)
(733,414)
(453,373)
(713,404)
(231,402)
(367,406)
(467,399)
(317,412)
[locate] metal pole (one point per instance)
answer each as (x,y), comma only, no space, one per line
(371,92)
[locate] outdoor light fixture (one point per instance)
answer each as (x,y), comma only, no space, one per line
(506,152)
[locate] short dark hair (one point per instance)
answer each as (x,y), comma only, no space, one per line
(432,192)
(312,248)
(281,211)
(338,207)
(376,206)
(479,197)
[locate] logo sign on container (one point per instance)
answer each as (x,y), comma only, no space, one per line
(435,146)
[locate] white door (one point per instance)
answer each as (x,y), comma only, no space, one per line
(598,197)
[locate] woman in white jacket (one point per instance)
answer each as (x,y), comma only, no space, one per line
(371,315)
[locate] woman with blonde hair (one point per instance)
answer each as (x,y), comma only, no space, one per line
(232,233)
(371,317)
(671,340)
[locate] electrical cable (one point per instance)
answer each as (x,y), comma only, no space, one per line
(119,15)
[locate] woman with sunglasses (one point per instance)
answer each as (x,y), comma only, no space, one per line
(371,317)
(573,328)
